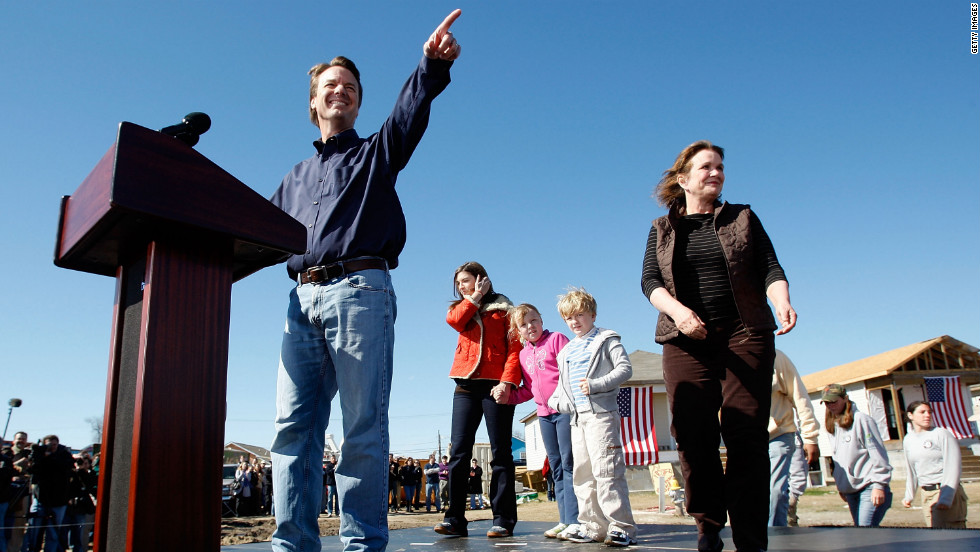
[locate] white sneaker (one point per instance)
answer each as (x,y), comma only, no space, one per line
(554,531)
(580,535)
(563,534)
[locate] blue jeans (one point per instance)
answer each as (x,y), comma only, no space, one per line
(799,469)
(781,451)
(432,490)
(339,337)
(331,507)
(863,512)
(47,519)
(556,432)
(471,404)
(409,497)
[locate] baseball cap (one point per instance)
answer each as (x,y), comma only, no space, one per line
(833,392)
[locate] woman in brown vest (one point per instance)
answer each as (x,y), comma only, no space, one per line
(708,268)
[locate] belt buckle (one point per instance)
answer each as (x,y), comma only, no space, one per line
(318,274)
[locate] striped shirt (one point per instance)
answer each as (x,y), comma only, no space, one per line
(577,365)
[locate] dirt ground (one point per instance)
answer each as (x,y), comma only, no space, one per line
(818,507)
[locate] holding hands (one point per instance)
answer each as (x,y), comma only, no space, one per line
(501,392)
(441,43)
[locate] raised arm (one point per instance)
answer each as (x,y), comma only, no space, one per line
(461,313)
(404,128)
(441,43)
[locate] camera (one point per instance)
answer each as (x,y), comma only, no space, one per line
(37,450)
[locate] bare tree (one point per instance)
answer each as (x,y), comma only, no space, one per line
(95,422)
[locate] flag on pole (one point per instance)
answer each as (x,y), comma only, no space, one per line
(948,409)
(636,426)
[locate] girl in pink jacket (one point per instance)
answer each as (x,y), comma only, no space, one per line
(540,377)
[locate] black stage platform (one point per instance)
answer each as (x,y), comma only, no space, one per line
(673,537)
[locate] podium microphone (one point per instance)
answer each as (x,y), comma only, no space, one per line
(190,129)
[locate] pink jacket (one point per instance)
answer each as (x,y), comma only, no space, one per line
(540,368)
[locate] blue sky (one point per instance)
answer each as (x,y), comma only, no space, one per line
(850,127)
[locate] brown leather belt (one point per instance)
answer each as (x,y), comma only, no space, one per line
(933,487)
(317,274)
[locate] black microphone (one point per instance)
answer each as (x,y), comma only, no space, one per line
(190,129)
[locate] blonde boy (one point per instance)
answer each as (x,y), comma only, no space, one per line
(592,366)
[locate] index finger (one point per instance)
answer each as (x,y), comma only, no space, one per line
(448,22)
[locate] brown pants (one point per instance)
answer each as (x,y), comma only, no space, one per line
(953,518)
(731,372)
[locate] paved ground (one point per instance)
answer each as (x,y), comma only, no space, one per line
(673,537)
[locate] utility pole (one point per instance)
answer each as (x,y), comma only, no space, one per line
(439,436)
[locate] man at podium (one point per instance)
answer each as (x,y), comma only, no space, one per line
(339,333)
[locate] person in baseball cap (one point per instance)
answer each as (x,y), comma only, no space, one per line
(861,469)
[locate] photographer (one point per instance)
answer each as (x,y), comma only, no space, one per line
(52,468)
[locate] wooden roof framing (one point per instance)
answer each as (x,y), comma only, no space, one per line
(941,356)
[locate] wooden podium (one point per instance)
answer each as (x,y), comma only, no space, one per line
(175,230)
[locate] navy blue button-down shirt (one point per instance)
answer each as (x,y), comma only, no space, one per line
(345,194)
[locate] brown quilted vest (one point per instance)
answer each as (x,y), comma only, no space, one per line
(735,235)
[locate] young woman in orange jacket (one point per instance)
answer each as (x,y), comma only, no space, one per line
(486,357)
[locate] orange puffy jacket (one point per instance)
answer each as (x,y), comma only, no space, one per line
(484,351)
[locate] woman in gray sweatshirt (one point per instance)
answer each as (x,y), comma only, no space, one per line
(861,468)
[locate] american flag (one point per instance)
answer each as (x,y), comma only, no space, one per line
(636,427)
(948,410)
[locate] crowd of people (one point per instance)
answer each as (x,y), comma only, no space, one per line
(47,496)
(414,485)
(251,489)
